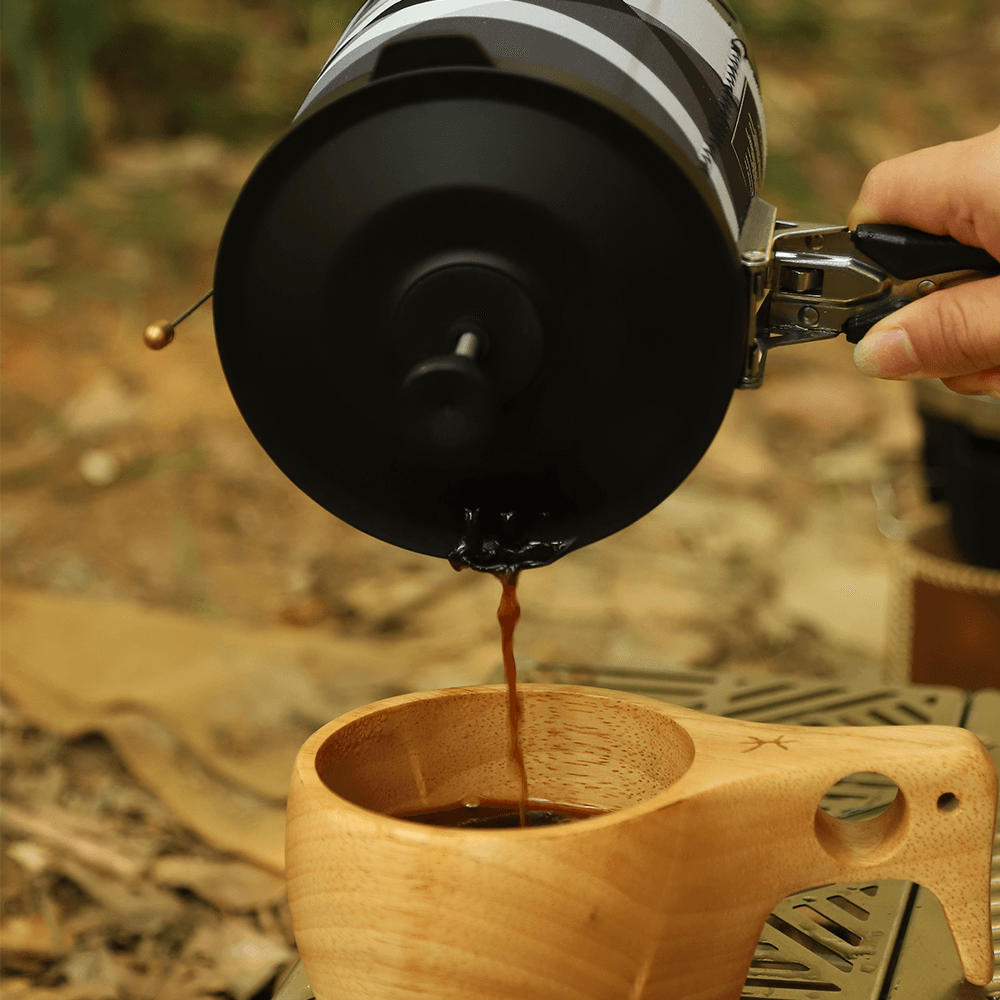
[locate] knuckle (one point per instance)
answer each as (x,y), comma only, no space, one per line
(872,183)
(957,336)
(952,321)
(880,189)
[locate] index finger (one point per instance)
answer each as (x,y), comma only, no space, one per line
(952,189)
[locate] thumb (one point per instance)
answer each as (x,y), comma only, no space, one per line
(948,333)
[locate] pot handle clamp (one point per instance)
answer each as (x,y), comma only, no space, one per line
(809,282)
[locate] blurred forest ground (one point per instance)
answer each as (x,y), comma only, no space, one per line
(128,127)
(143,529)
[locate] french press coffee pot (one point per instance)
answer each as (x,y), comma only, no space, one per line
(489,297)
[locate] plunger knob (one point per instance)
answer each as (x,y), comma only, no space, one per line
(447,404)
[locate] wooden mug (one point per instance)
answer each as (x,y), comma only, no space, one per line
(715,821)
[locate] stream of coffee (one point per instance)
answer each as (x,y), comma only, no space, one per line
(489,814)
(507,614)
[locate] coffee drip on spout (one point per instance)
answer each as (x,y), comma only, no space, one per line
(502,555)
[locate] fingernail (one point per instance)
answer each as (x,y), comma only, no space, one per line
(886,354)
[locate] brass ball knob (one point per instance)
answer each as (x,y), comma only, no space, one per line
(156,336)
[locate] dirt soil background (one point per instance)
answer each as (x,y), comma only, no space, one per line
(178,617)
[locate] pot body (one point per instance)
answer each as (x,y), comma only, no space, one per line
(681,70)
(715,820)
(569,181)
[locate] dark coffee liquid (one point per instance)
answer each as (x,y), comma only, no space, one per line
(491,815)
(508,613)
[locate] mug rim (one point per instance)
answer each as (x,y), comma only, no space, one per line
(306,769)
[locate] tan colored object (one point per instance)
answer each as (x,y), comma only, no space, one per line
(29,935)
(944,614)
(232,886)
(208,716)
(665,899)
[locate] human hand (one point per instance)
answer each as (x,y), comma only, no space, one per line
(952,334)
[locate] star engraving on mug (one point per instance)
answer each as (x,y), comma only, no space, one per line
(758,743)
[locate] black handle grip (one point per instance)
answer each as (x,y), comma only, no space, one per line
(857,326)
(909,253)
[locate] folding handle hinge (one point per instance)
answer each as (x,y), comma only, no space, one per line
(807,282)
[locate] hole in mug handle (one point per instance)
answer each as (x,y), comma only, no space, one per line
(948,802)
(862,819)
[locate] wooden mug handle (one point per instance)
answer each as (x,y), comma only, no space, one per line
(766,782)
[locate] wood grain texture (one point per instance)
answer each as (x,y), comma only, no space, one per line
(664,899)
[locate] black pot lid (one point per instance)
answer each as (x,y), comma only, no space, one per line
(591,261)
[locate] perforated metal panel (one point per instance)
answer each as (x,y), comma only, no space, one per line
(826,941)
(766,698)
(863,941)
